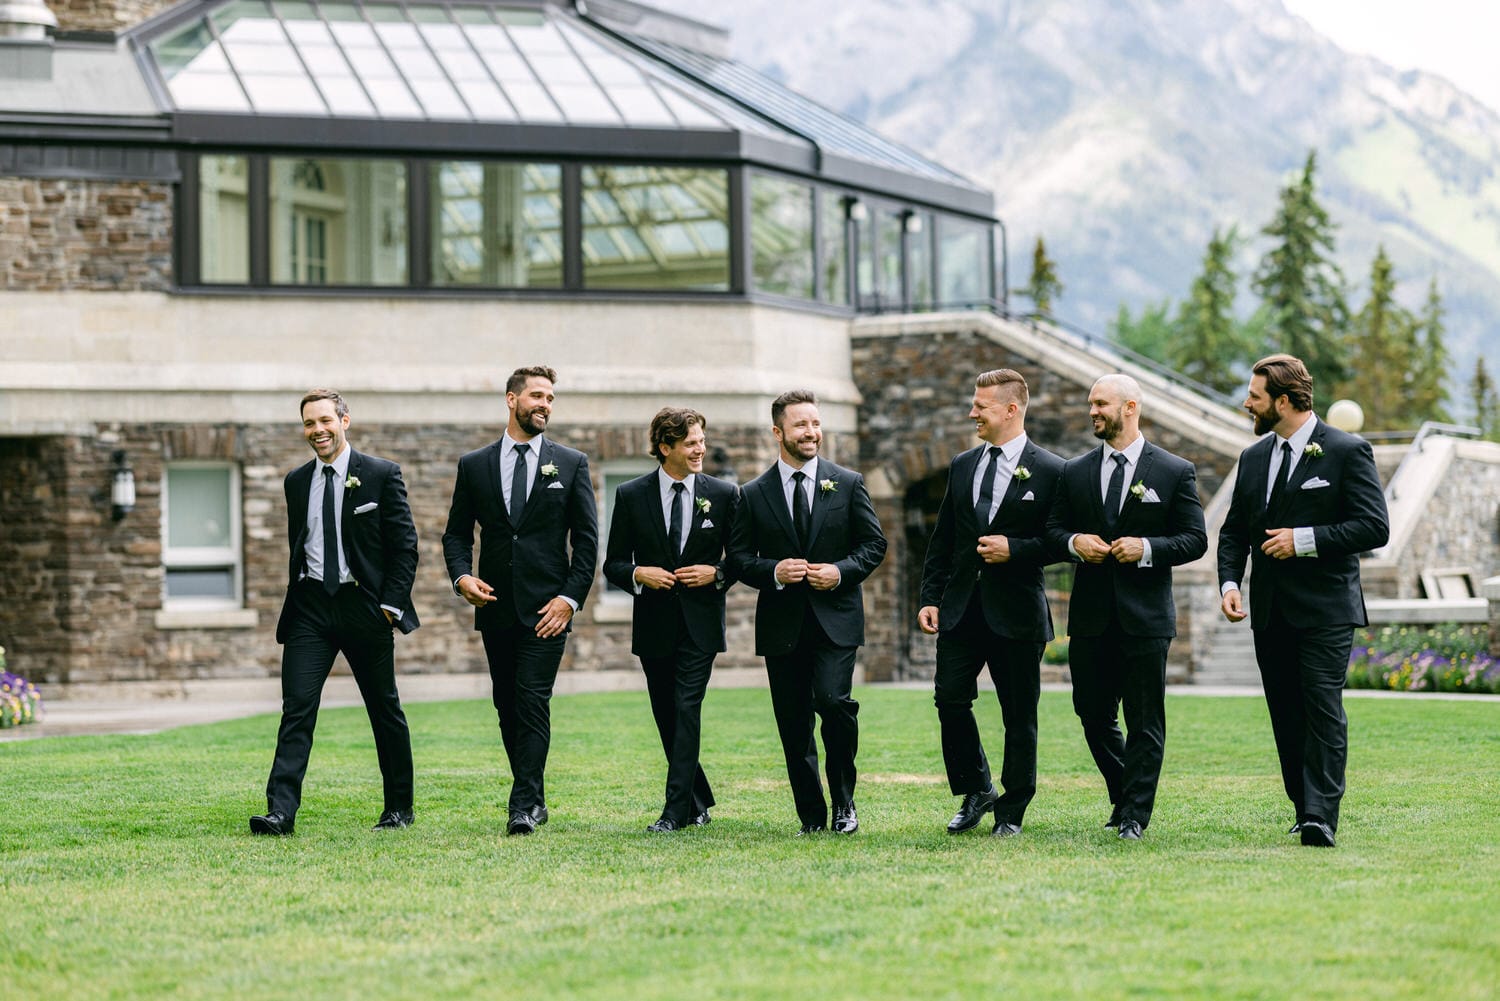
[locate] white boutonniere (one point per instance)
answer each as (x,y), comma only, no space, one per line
(550,469)
(1022,473)
(827,486)
(350,482)
(1313,450)
(1139,490)
(704,505)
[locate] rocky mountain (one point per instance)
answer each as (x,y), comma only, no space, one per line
(1124,131)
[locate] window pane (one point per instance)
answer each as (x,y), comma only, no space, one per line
(338,222)
(224,233)
(497,224)
(212,582)
(655,227)
(888,256)
(781,235)
(919,263)
(198,511)
(833,253)
(963,263)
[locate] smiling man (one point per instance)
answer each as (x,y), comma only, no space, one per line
(353,560)
(1307,501)
(806,535)
(667,541)
(538,536)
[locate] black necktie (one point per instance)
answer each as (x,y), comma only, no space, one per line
(1279,487)
(330,535)
(674,530)
(801,509)
(1116,488)
(987,489)
(518,480)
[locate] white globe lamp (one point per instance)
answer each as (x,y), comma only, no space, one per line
(1346,415)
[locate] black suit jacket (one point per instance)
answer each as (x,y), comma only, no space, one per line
(527,564)
(1012,594)
(1140,596)
(638,537)
(1348,516)
(379,543)
(845,532)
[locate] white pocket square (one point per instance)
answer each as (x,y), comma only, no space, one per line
(707,523)
(554,486)
(366,508)
(1150,497)
(1029,495)
(1315,483)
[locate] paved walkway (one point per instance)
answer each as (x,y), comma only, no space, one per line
(135,707)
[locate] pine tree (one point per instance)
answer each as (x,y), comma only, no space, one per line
(1383,337)
(1429,389)
(1044,286)
(1486,405)
(1152,335)
(1302,285)
(1208,344)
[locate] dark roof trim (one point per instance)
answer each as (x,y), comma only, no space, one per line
(24,127)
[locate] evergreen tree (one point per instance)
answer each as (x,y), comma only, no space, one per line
(1383,338)
(1152,335)
(1303,287)
(1429,390)
(1044,286)
(1208,344)
(1486,405)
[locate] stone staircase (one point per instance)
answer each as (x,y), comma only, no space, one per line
(1227,655)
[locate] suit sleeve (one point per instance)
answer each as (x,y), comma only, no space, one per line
(1234,536)
(1366,524)
(1060,520)
(937,569)
(1188,538)
(398,542)
(744,556)
(458,536)
(619,549)
(1037,550)
(868,543)
(583,534)
(732,516)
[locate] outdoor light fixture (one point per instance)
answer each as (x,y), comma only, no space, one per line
(122,489)
(1346,415)
(911,221)
(857,210)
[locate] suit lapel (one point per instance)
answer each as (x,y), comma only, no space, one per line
(493,474)
(652,498)
(962,487)
(347,508)
(1096,497)
(1301,472)
(1142,469)
(301,488)
(538,481)
(775,495)
(822,501)
(1016,486)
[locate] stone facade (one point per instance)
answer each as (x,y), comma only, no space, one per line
(104,15)
(34,535)
(1459,528)
(85,235)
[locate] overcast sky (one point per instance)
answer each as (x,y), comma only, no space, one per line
(1454,38)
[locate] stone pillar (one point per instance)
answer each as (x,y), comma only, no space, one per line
(1490,591)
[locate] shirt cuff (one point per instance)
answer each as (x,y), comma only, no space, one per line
(1305,541)
(639,587)
(395,612)
(1227,586)
(455,583)
(1145,561)
(571,603)
(1072,549)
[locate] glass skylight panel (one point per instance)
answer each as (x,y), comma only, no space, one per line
(366,55)
(268,66)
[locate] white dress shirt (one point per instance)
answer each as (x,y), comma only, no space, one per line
(313,546)
(508,465)
(1304,538)
(664,485)
(810,468)
(1132,453)
(1005,468)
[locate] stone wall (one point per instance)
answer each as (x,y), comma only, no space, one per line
(33,555)
(92,235)
(1460,528)
(104,15)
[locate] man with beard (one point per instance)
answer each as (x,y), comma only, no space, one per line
(353,560)
(1307,501)
(984,596)
(533,501)
(806,535)
(1128,511)
(666,544)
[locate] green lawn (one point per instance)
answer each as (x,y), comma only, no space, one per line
(126,870)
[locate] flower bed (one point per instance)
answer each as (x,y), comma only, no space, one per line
(1443,658)
(20,701)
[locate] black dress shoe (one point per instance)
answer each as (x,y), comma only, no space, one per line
(1296,828)
(1316,834)
(701,820)
(1130,830)
(521,822)
(663,826)
(276,824)
(1005,829)
(1114,817)
(539,814)
(975,806)
(812,829)
(845,820)
(393,820)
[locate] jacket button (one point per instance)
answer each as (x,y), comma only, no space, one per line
(513,538)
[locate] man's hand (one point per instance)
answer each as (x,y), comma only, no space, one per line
(390,619)
(994,548)
(1128,549)
(656,578)
(475,591)
(1230,604)
(697,575)
(1279,545)
(791,571)
(927,619)
(1092,548)
(823,576)
(556,614)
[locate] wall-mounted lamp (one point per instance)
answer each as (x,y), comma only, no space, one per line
(723,466)
(122,487)
(857,209)
(911,221)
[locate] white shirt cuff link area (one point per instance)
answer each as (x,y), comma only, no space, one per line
(1145,562)
(1305,541)
(1227,586)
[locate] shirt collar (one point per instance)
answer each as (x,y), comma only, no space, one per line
(1300,437)
(509,444)
(1132,452)
(664,483)
(1012,449)
(340,462)
(810,467)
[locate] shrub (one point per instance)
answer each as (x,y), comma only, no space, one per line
(1410,658)
(20,701)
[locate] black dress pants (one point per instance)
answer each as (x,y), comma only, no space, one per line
(1114,670)
(1303,672)
(816,677)
(676,685)
(523,669)
(1015,668)
(322,626)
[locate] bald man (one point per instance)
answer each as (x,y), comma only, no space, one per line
(1127,513)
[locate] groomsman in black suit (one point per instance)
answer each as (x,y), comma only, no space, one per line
(1128,512)
(983,596)
(353,560)
(806,535)
(1307,501)
(666,545)
(533,502)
